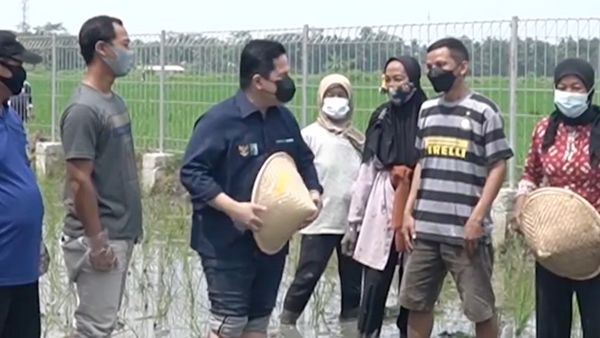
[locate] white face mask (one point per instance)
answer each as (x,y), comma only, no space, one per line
(336,108)
(572,105)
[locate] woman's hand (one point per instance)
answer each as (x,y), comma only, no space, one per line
(397,173)
(349,240)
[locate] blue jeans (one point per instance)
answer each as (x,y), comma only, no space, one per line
(245,285)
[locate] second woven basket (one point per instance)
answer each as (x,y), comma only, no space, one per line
(563,231)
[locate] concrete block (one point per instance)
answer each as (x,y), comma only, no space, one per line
(49,158)
(502,209)
(153,168)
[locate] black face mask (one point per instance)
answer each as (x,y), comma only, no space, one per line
(286,89)
(14,83)
(442,80)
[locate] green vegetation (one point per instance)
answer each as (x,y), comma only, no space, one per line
(211,62)
(188,96)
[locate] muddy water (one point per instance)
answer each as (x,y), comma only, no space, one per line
(166,291)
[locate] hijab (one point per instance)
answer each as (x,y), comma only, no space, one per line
(392,128)
(342,127)
(585,72)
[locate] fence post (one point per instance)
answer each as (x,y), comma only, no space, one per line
(513,69)
(53,91)
(161,95)
(305,31)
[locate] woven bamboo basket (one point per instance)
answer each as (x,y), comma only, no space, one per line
(279,187)
(562,229)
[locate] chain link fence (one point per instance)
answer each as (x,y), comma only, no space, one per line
(178,76)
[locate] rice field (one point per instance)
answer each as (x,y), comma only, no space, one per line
(166,291)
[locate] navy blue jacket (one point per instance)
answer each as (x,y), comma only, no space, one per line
(228,147)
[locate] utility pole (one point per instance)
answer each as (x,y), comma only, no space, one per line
(24,26)
(428,27)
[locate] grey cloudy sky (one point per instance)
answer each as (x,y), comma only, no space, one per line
(143,16)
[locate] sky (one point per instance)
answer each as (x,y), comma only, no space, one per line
(142,17)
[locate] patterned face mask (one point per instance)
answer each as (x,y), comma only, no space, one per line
(400,96)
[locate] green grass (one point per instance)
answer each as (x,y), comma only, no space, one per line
(188,96)
(517,284)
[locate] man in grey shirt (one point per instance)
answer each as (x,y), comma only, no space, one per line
(102,195)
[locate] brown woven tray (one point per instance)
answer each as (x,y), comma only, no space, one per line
(563,231)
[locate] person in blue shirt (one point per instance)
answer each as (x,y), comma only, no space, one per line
(229,145)
(21,207)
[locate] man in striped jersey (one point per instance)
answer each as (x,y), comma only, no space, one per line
(448,226)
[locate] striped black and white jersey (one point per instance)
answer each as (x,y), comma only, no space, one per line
(458,142)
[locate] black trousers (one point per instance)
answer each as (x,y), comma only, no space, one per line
(376,286)
(554,302)
(315,251)
(20,311)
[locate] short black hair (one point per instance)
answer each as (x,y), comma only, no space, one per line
(458,50)
(98,28)
(257,58)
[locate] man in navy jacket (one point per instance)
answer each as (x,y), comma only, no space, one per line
(229,145)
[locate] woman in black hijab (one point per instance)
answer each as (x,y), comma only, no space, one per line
(392,128)
(388,159)
(565,153)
